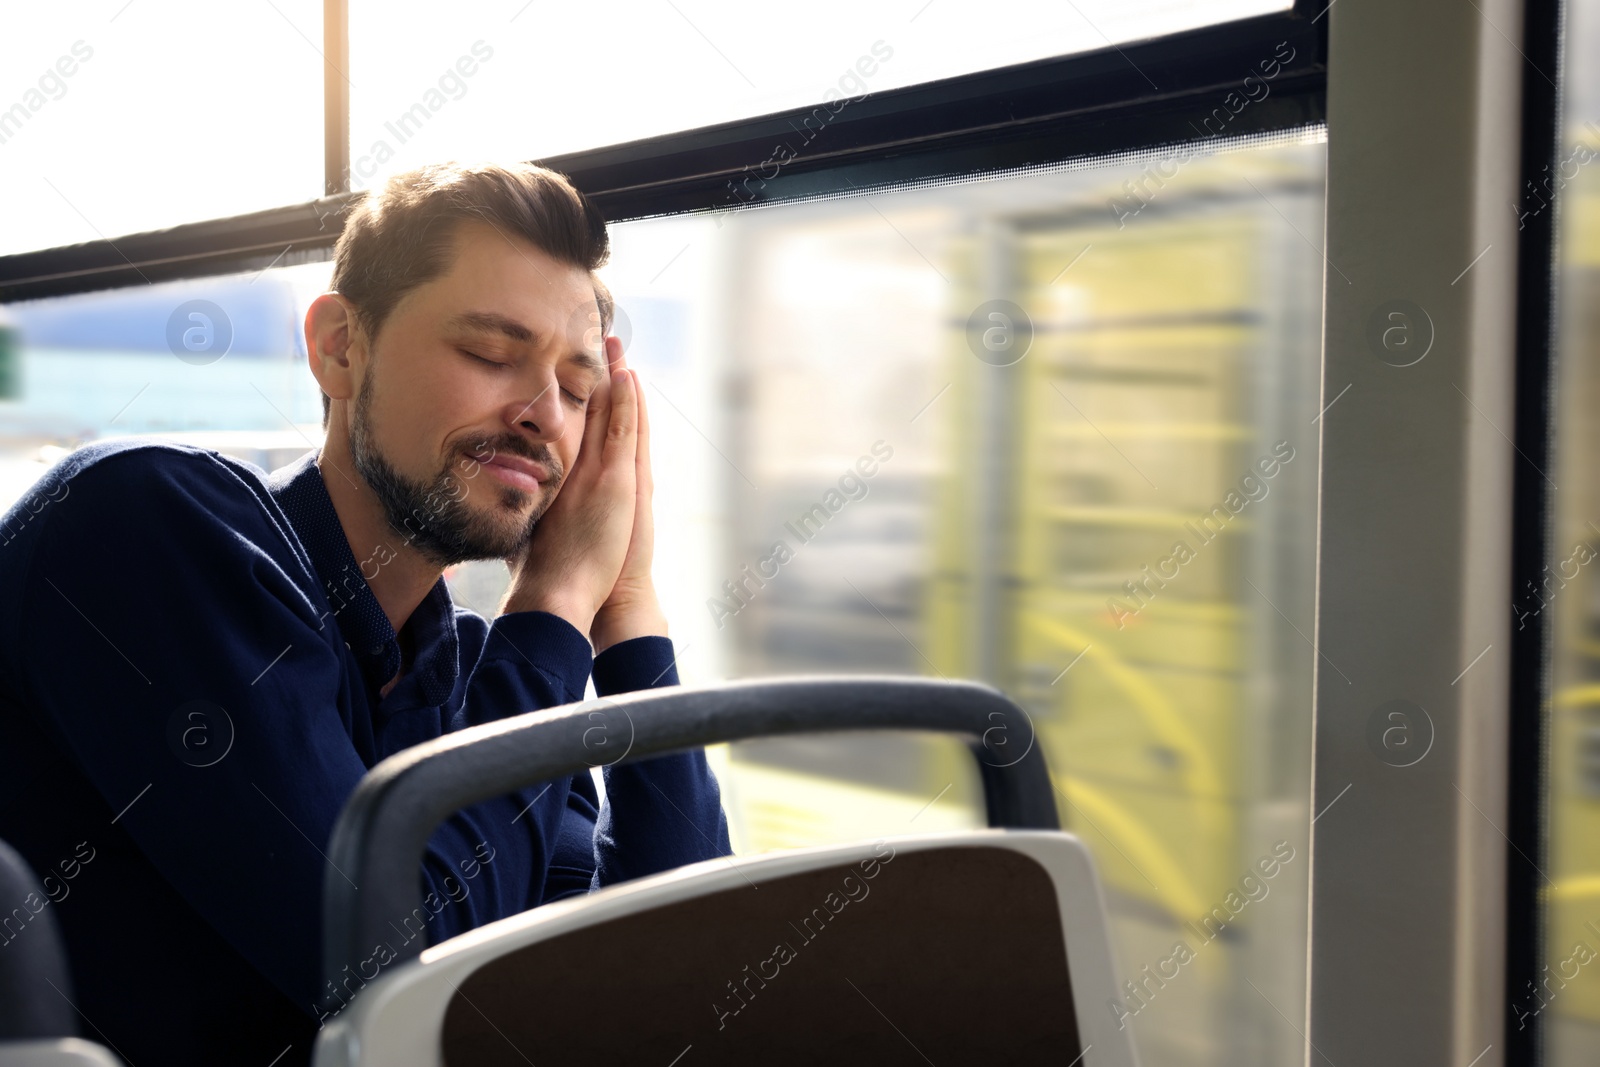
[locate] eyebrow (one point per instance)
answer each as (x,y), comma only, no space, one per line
(490,322)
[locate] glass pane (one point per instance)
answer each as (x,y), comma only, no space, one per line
(513,79)
(206,356)
(955,431)
(119,117)
(1568,1000)
(215,362)
(960,431)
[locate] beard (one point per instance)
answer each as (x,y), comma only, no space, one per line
(433,516)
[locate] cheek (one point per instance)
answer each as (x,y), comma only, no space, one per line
(422,395)
(571,440)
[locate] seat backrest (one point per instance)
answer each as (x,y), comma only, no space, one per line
(56,1052)
(1000,935)
(34,987)
(986,946)
(370,883)
(38,1023)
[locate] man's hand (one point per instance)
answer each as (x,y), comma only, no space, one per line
(632,609)
(575,554)
(589,558)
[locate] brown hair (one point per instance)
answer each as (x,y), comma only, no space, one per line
(399,237)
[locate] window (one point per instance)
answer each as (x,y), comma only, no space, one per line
(619,72)
(119,117)
(903,473)
(1567,996)
(943,410)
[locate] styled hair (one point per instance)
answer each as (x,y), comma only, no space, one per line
(400,237)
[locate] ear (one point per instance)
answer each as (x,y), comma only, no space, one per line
(333,337)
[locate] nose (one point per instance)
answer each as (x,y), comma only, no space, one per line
(539,415)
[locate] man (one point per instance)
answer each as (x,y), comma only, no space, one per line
(199,661)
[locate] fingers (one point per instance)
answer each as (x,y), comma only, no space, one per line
(598,419)
(619,477)
(622,430)
(642,547)
(595,420)
(615,360)
(642,453)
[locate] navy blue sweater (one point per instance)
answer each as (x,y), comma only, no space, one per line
(190,665)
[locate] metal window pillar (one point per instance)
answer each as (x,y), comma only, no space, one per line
(335,97)
(1413,614)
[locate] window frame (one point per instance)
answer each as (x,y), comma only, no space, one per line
(1425,879)
(1532,522)
(1083,106)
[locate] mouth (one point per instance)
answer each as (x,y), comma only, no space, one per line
(519,473)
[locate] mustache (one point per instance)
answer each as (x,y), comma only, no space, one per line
(483,451)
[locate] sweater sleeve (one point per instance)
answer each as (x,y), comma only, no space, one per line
(164,636)
(530,661)
(658,813)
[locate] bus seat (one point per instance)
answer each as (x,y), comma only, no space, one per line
(38,1024)
(56,1052)
(988,946)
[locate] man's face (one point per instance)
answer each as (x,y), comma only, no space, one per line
(471,405)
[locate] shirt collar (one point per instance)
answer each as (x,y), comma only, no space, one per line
(301,492)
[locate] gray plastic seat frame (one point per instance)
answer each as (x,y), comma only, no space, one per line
(378,843)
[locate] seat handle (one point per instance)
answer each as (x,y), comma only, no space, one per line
(371,880)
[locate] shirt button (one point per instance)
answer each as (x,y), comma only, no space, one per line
(377,650)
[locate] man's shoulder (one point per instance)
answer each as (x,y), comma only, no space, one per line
(153,458)
(128,479)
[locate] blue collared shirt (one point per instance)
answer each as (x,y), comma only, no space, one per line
(190,667)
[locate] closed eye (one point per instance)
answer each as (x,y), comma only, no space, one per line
(474,356)
(573,398)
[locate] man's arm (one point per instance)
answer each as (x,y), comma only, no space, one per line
(159,588)
(658,813)
(589,561)
(532,660)
(666,811)
(671,810)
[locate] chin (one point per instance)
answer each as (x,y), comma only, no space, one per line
(491,496)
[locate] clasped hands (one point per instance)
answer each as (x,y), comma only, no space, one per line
(588,560)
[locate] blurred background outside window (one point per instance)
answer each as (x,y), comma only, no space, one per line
(1568,597)
(100,139)
(956,430)
(1054,429)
